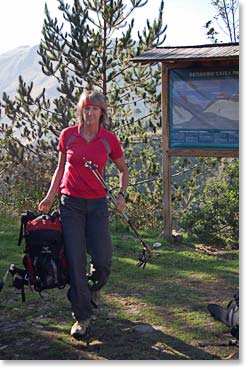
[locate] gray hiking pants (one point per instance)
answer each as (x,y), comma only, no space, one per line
(85,226)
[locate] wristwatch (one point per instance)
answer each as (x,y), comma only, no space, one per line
(122,193)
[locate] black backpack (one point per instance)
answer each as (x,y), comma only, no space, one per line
(44,260)
(229,316)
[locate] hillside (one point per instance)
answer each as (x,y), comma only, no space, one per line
(24,61)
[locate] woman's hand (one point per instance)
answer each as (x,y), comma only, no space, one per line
(45,205)
(121,204)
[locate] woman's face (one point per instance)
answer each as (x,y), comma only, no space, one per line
(91,115)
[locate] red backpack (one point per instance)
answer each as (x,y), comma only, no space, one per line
(44,259)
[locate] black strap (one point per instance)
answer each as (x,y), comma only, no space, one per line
(25,217)
(21,233)
(23,296)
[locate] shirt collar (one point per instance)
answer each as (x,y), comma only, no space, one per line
(98,135)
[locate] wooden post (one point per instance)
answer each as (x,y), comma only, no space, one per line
(166,160)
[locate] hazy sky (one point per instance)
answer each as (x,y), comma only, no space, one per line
(21,21)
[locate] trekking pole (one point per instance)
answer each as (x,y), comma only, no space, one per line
(146,253)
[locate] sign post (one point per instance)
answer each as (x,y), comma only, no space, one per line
(166,164)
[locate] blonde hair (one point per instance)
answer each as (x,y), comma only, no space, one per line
(96,99)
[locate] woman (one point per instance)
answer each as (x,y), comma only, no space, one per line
(83,204)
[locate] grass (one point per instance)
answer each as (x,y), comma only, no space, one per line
(171,294)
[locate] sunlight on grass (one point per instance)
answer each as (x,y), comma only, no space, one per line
(198,276)
(227,267)
(166,348)
(127,260)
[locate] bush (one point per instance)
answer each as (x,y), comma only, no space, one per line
(215,217)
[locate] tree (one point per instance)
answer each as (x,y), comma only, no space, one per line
(92,48)
(227,19)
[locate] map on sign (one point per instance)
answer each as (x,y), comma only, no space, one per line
(204,108)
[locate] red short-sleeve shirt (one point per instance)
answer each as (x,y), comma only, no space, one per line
(78,180)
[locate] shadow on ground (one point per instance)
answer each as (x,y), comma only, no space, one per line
(121,340)
(117,340)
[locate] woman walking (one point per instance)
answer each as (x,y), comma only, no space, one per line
(83,203)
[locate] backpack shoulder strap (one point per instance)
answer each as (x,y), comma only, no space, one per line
(20,233)
(25,217)
(107,146)
(70,140)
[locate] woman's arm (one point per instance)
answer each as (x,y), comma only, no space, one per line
(46,204)
(123,178)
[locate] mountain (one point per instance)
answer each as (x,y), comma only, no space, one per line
(24,61)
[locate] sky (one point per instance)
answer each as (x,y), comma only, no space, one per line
(21,21)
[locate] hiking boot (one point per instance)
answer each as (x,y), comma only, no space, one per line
(80,328)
